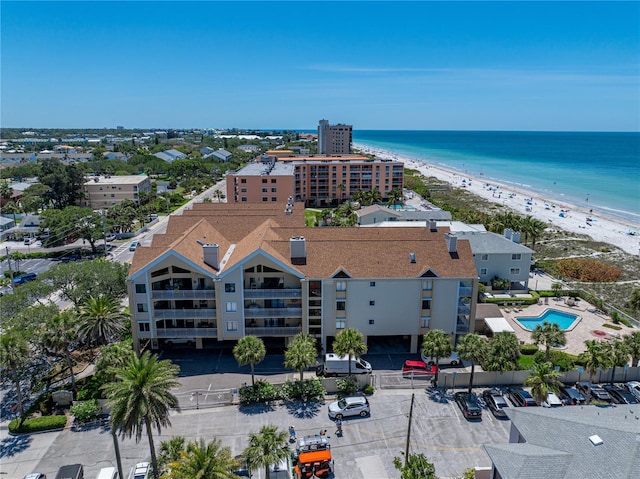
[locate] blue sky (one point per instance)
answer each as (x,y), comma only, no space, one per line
(285,65)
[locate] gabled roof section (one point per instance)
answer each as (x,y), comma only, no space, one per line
(341,273)
(429,274)
(367,210)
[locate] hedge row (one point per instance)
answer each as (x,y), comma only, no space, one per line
(44,423)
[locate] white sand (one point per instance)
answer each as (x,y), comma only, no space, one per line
(604,229)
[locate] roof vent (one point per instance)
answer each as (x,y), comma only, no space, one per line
(210,254)
(433,226)
(412,257)
(596,440)
(298,247)
(452,243)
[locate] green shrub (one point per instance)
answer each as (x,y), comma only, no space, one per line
(525,362)
(262,391)
(612,326)
(565,361)
(43,405)
(347,385)
(307,389)
(368,389)
(91,389)
(529,349)
(85,411)
(44,423)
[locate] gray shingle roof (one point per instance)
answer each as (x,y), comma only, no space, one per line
(484,242)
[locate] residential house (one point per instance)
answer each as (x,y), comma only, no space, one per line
(221,154)
(223,271)
(378,215)
(170,155)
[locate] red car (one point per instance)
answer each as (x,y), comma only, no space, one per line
(412,368)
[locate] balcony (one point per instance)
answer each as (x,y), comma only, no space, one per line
(278,331)
(257,312)
(273,293)
(187,333)
(202,313)
(184,294)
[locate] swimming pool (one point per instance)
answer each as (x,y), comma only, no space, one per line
(402,207)
(562,319)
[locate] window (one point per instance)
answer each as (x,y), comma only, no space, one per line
(484,257)
(274,198)
(264,198)
(160,272)
(243,180)
(141,288)
(143,327)
(264,190)
(516,257)
(514,271)
(372,303)
(273,180)
(427,285)
(341,305)
(244,198)
(372,321)
(232,325)
(274,190)
(424,321)
(229,287)
(341,323)
(426,304)
(142,307)
(243,190)
(483,271)
(341,285)
(372,284)
(231,307)
(264,180)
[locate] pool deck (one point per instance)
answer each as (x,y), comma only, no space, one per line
(589,321)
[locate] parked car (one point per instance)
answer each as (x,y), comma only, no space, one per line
(552,400)
(110,237)
(452,360)
(620,395)
(35,475)
(634,388)
(571,396)
(349,406)
(417,369)
(521,398)
(140,471)
(593,391)
(134,245)
(496,402)
(72,471)
(24,278)
(469,405)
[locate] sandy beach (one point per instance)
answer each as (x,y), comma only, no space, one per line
(563,216)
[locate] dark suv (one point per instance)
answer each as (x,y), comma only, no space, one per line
(468,404)
(571,396)
(521,398)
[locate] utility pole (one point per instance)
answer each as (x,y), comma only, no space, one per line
(406,449)
(104,234)
(10,269)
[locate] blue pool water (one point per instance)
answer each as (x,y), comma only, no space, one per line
(562,319)
(402,207)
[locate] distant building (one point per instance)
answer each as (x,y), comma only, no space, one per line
(206,150)
(222,155)
(105,191)
(249,148)
(334,139)
(170,155)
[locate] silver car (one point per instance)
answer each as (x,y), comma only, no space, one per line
(349,406)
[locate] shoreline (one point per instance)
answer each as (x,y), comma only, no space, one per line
(561,215)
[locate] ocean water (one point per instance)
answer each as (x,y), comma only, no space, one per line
(599,171)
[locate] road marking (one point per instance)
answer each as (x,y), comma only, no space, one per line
(371,467)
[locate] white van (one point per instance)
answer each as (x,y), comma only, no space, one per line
(108,473)
(30,240)
(335,365)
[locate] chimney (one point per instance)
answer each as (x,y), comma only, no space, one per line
(433,227)
(210,254)
(515,237)
(298,250)
(452,243)
(507,233)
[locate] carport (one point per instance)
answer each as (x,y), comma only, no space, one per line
(498,325)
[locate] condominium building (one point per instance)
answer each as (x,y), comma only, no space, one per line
(105,191)
(334,139)
(224,271)
(315,180)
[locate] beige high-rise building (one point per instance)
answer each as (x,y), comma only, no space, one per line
(102,192)
(334,139)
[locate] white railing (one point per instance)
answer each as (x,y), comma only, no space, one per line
(201,313)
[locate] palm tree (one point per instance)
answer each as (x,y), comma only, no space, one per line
(617,353)
(548,334)
(204,461)
(300,353)
(141,397)
(633,343)
(249,350)
(100,320)
(504,350)
(14,353)
(536,228)
(594,358)
(341,187)
(475,348)
(543,379)
(266,448)
(349,342)
(436,344)
(218,195)
(5,190)
(170,452)
(12,209)
(395,195)
(59,332)
(556,287)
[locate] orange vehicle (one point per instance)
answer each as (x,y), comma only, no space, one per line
(314,464)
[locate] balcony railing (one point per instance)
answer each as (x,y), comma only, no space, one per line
(201,313)
(184,294)
(273,293)
(272,312)
(187,333)
(279,331)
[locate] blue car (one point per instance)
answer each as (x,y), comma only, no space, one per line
(24,278)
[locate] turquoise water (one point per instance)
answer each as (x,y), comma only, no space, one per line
(562,319)
(402,208)
(599,171)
